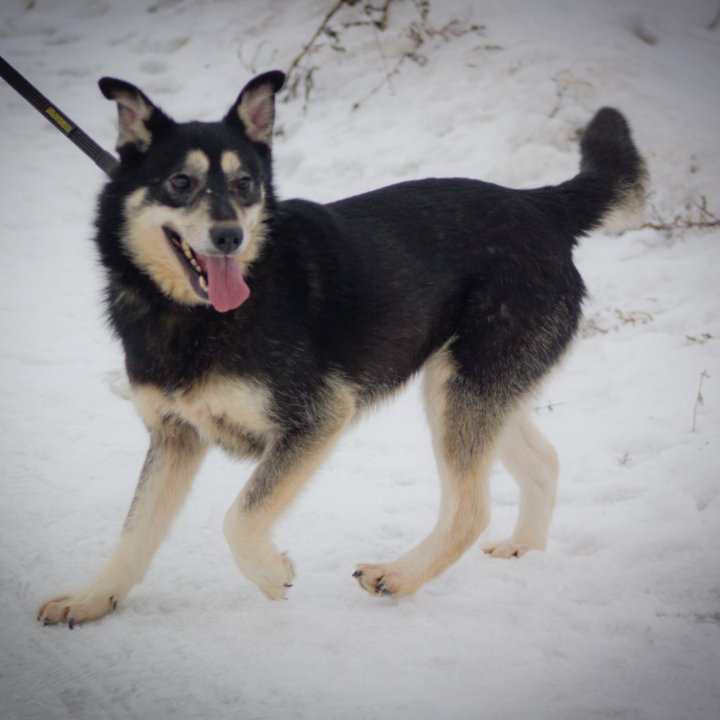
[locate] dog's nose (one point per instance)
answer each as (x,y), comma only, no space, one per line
(226,238)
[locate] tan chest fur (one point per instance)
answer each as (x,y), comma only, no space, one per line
(211,408)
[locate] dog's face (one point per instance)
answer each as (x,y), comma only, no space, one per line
(195,194)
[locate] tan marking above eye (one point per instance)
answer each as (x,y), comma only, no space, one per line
(197,163)
(230,163)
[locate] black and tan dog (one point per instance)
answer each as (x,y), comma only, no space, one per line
(266,327)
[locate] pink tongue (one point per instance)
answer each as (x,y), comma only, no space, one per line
(226,286)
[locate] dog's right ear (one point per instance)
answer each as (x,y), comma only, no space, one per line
(138,118)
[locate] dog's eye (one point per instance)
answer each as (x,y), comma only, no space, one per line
(242,185)
(181,182)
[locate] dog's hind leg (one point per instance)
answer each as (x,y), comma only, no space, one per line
(533,462)
(286,466)
(465,428)
(173,458)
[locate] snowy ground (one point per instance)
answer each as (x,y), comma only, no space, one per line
(619,619)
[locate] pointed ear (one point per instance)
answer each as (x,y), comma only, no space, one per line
(255,106)
(138,118)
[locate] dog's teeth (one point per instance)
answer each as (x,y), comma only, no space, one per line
(203,283)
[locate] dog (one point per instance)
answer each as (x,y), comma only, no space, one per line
(266,327)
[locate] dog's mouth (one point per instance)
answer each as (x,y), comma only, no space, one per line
(190,261)
(214,278)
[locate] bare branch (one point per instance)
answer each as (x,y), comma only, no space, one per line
(310,44)
(381,24)
(376,18)
(705,220)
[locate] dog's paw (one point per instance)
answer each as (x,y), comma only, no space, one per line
(76,608)
(273,574)
(384,580)
(507,549)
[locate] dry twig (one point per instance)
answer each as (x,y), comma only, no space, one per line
(292,82)
(704,221)
(376,17)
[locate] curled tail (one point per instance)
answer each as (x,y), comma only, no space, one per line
(610,188)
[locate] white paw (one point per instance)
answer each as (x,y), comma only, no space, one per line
(388,580)
(272,572)
(76,608)
(507,549)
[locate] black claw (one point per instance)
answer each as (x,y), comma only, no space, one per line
(46,622)
(287,584)
(114,605)
(71,623)
(358,574)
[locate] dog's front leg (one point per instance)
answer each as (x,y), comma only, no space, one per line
(285,468)
(174,456)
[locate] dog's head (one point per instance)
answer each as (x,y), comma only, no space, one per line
(195,195)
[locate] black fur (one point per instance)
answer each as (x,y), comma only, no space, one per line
(367,288)
(346,302)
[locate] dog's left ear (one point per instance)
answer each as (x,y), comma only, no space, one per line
(138,118)
(255,106)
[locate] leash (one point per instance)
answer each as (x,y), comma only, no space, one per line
(103,159)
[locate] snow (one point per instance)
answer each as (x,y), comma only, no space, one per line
(620,618)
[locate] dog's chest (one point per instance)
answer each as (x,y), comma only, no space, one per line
(213,408)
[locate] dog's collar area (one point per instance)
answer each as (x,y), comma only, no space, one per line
(190,261)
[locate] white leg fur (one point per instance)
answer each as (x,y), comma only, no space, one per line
(255,553)
(249,521)
(167,475)
(465,498)
(462,518)
(533,463)
(284,470)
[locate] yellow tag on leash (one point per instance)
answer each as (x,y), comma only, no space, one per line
(59,120)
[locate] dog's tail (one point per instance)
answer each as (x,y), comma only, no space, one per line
(610,189)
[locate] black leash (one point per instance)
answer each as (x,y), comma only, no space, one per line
(103,159)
